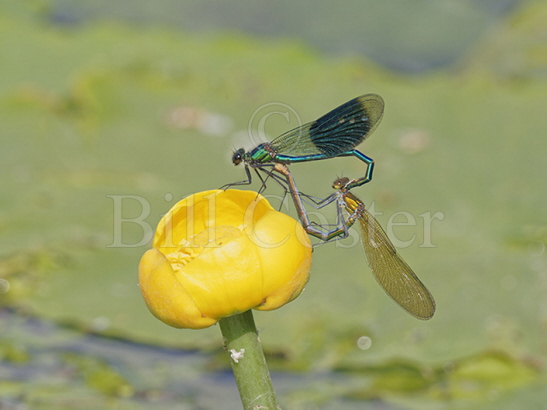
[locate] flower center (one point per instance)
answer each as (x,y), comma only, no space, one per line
(193,246)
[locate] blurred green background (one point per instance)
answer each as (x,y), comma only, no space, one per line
(149,100)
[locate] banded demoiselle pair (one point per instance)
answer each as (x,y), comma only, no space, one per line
(336,134)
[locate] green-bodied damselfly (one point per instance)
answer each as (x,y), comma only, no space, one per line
(335,134)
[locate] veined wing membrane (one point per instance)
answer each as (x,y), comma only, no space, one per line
(336,132)
(392,272)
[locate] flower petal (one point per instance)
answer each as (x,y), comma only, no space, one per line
(286,258)
(165,296)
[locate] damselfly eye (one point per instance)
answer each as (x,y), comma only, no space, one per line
(340,183)
(238,156)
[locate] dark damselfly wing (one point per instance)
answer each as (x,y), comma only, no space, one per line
(336,132)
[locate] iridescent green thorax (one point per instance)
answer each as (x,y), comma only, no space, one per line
(261,154)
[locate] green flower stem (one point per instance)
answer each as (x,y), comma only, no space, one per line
(248,362)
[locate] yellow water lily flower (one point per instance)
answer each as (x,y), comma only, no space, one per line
(219,253)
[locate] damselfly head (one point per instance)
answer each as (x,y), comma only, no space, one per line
(340,183)
(238,156)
